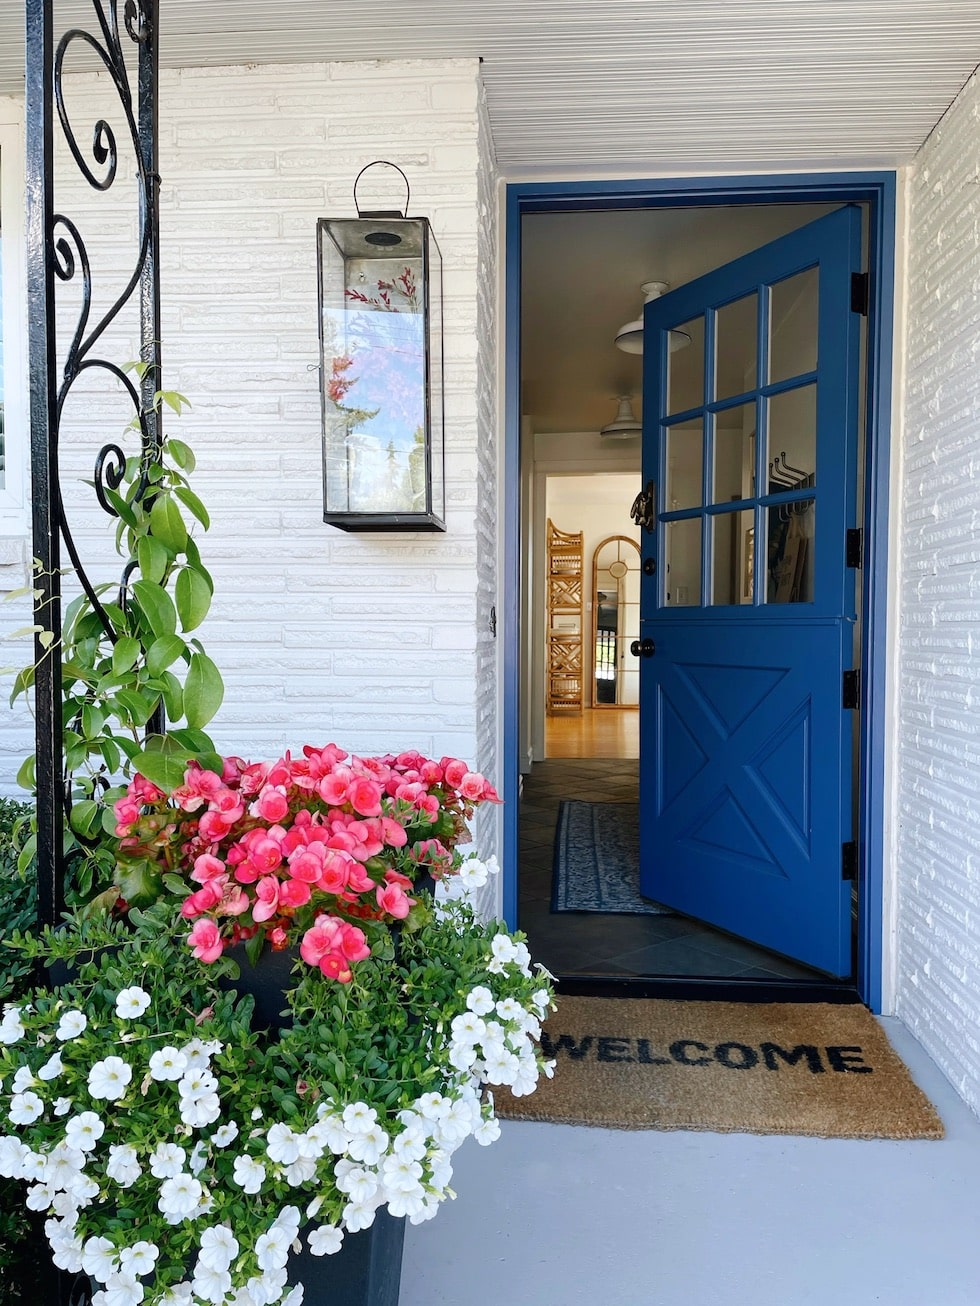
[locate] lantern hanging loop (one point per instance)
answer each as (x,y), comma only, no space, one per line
(398,213)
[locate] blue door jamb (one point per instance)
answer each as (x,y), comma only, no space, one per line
(878,191)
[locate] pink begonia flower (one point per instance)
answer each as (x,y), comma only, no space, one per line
(229,805)
(232,769)
(393,900)
(322,937)
(429,804)
(207,897)
(307,863)
(206,941)
(336,872)
(253,778)
(471,786)
(213,827)
(234,901)
(207,868)
(364,796)
(333,788)
(358,880)
(393,832)
(267,898)
(272,804)
(126,809)
(278,938)
(432,773)
(293,893)
(454,770)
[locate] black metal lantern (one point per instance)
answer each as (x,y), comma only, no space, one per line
(380,280)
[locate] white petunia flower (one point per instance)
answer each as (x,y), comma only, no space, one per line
(109,1079)
(300,1171)
(272,1248)
(11,1026)
(71,1024)
(400,1174)
(63,1164)
(368,1146)
(432,1106)
(196,1112)
(501,1067)
(468,1027)
(139,1259)
(52,1068)
(12,1155)
(197,1082)
(120,1290)
(462,1056)
(294,1297)
(25,1108)
(62,1105)
(168,1063)
(330,1130)
(359,1184)
(325,1240)
(480,1000)
(225,1134)
(132,1002)
(488,1132)
(199,1053)
(249,1174)
(408,1204)
(123,1166)
(66,1248)
(526,1079)
(180,1196)
(212,1285)
(167,1160)
(359,1117)
(99,1258)
(22,1080)
(219,1247)
(359,1215)
(199,1157)
(282,1144)
(83,1132)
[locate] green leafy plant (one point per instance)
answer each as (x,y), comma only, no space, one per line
(132,655)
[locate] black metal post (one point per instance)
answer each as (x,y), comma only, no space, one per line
(44,458)
(56,251)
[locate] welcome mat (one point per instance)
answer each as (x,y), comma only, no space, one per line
(597,860)
(762,1068)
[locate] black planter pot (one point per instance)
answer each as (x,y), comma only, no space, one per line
(365,1272)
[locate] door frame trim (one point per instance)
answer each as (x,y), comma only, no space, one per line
(878,190)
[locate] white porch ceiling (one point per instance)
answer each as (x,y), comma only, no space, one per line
(622,84)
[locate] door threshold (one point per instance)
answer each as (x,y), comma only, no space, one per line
(701,989)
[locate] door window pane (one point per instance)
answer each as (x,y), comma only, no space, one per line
(735,347)
(685,367)
(793,325)
(790,553)
(733,551)
(734,453)
(683,540)
(793,439)
(685,446)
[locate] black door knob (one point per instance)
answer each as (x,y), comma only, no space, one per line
(643,648)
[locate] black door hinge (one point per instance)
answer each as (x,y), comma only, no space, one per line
(849,860)
(851,691)
(860,293)
(854,547)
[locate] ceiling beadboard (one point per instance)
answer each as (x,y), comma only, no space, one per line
(575,84)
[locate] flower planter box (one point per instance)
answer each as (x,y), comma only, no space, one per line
(365,1272)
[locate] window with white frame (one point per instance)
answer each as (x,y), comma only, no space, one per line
(13,369)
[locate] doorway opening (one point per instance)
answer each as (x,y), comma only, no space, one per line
(583,484)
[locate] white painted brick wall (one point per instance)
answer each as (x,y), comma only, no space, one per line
(938,840)
(374,642)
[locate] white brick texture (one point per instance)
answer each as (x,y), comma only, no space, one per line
(938,839)
(375,642)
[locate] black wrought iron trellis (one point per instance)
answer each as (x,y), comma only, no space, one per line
(56,252)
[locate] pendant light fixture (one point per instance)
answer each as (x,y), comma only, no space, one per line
(625,425)
(629,337)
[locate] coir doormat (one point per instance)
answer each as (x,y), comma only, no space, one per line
(763,1068)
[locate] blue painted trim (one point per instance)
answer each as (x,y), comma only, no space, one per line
(877,189)
(510,583)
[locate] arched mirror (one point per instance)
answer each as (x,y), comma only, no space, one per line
(615,622)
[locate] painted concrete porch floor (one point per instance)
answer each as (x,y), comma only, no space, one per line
(553,1215)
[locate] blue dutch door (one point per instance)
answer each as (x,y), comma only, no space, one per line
(747,605)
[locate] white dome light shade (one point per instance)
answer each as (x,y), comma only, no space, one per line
(629,337)
(625,425)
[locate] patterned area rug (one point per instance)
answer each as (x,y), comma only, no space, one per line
(597,860)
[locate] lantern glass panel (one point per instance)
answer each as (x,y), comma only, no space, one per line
(381,340)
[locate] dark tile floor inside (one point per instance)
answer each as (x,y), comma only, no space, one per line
(581,943)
